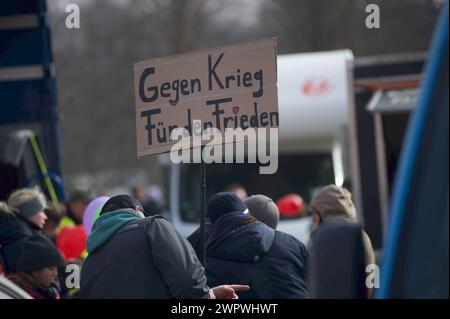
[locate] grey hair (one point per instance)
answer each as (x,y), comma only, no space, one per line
(4,207)
(25,194)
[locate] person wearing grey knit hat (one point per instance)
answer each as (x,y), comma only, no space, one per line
(264,209)
(29,205)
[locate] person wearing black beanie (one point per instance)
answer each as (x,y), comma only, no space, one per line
(224,203)
(218,205)
(242,249)
(37,267)
(134,257)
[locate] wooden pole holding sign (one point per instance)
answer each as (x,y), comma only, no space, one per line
(202,256)
(233,87)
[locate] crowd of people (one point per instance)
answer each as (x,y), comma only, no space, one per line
(129,252)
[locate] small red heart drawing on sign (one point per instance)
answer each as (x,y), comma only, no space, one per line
(236,109)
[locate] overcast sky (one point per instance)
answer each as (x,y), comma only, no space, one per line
(244,11)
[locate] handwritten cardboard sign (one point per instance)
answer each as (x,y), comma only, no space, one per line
(230,87)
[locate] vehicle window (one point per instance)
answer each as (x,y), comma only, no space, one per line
(301,174)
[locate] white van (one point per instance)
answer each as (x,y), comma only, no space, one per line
(313,97)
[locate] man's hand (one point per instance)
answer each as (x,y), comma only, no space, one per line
(228,291)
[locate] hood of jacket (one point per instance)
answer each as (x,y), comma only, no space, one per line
(239,237)
(10,228)
(107,225)
(25,222)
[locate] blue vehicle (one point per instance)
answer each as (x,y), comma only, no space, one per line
(415,263)
(401,161)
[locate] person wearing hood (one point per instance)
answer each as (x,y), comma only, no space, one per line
(195,238)
(334,204)
(37,268)
(242,249)
(135,257)
(260,206)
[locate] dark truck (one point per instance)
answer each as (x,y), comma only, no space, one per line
(30,150)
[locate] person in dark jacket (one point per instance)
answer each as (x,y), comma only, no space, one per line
(333,204)
(12,235)
(242,249)
(260,206)
(135,257)
(21,217)
(37,268)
